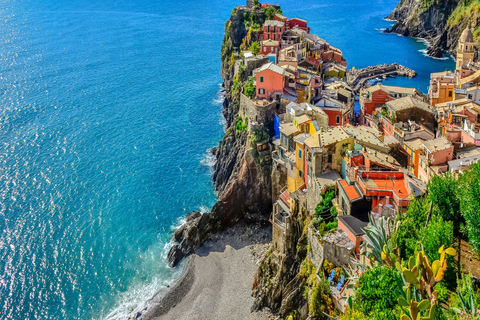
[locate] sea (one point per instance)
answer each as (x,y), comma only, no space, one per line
(108,112)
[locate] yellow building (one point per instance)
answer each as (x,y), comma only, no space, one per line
(465,52)
(442,87)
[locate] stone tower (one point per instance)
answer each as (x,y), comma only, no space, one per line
(249,4)
(465,49)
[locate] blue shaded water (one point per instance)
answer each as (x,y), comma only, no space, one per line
(107,111)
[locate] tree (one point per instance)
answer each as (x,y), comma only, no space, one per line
(438,233)
(470,204)
(270,13)
(254,48)
(443,192)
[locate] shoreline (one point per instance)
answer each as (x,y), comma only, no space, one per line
(217,279)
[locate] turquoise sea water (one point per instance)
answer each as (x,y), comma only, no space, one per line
(107,112)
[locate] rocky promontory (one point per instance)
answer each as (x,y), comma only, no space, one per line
(242,182)
(439,22)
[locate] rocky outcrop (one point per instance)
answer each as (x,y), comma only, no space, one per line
(241,176)
(439,22)
(424,19)
(278,285)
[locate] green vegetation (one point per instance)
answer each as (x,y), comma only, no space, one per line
(464,8)
(469,195)
(270,12)
(254,48)
(241,126)
(249,88)
(326,203)
(376,291)
(321,300)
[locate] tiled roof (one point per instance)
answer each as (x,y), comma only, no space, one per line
(349,190)
(392,89)
(437,144)
(333,136)
(272,67)
(288,129)
(362,135)
(415,145)
(270,42)
(274,23)
(408,103)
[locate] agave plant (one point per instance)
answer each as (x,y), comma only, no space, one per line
(468,302)
(380,249)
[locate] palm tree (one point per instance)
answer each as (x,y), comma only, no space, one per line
(254,48)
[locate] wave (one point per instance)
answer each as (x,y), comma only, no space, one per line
(380,29)
(424,52)
(208,159)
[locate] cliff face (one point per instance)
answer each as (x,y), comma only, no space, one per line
(241,176)
(440,22)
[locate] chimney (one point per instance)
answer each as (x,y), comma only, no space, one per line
(355,172)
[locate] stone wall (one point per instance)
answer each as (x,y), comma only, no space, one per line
(254,63)
(316,252)
(337,255)
(257,113)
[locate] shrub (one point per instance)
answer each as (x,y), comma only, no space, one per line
(321,301)
(470,204)
(326,202)
(352,314)
(331,225)
(249,89)
(376,290)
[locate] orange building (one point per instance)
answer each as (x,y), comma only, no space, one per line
(442,85)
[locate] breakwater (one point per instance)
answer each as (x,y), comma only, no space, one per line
(358,77)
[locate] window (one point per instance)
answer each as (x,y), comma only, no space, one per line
(261,79)
(274,29)
(338,119)
(300,154)
(300,173)
(274,37)
(450,94)
(268,28)
(329,158)
(261,91)
(280,29)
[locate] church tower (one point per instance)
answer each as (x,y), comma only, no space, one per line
(465,49)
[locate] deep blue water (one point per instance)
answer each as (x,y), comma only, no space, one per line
(107,111)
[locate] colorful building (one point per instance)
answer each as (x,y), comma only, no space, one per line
(442,87)
(299,23)
(273,30)
(270,46)
(270,81)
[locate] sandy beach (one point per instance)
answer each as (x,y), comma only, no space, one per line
(218,278)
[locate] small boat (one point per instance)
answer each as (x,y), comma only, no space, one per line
(384,77)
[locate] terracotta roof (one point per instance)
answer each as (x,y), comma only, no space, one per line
(470,78)
(349,190)
(392,89)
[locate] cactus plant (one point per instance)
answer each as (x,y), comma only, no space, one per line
(416,285)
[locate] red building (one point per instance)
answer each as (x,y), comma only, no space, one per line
(270,46)
(273,30)
(300,23)
(281,18)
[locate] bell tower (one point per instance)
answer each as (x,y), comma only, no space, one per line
(465,49)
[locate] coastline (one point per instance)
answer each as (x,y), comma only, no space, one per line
(217,279)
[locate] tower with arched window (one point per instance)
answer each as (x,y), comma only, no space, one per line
(465,50)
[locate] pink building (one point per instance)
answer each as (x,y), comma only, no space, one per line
(273,30)
(270,81)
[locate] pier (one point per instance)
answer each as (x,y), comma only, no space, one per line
(357,78)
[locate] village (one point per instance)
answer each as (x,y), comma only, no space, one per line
(349,170)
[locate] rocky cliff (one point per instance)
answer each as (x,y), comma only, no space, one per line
(440,22)
(241,177)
